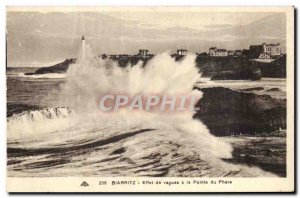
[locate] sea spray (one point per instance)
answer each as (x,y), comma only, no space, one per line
(169,141)
(31,124)
(89,79)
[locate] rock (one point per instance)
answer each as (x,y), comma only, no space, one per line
(274,89)
(236,68)
(219,68)
(58,68)
(253,89)
(233,75)
(228,112)
(18,108)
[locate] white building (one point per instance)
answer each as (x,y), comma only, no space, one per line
(143,52)
(269,49)
(214,51)
(272,49)
(182,52)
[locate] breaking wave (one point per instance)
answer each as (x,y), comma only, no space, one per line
(86,141)
(29,124)
(41,76)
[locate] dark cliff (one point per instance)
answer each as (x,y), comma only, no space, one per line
(239,67)
(58,68)
(227,112)
(219,68)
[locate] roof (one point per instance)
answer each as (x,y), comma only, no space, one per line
(272,44)
(257,45)
(182,50)
(221,50)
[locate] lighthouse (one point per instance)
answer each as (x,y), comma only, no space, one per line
(83,48)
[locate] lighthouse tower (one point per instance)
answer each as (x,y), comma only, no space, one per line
(83,48)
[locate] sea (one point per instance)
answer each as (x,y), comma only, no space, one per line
(50,133)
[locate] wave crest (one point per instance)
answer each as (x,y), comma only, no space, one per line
(30,124)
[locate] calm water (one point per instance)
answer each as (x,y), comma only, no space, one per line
(26,90)
(275,87)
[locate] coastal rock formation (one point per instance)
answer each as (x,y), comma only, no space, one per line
(227,112)
(232,75)
(58,68)
(241,67)
(219,68)
(13,108)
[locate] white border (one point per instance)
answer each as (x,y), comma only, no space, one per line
(92,3)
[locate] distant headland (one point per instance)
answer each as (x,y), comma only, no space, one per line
(265,60)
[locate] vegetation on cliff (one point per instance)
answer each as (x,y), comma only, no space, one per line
(240,67)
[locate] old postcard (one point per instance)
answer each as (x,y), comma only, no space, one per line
(150,99)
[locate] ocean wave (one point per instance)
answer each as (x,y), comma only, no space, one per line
(85,141)
(37,76)
(51,142)
(29,124)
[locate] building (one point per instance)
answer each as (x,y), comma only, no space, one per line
(272,50)
(124,56)
(143,52)
(113,56)
(214,51)
(234,52)
(264,56)
(182,52)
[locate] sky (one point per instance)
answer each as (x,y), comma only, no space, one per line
(41,38)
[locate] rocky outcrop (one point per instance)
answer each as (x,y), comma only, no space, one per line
(240,67)
(58,68)
(219,68)
(275,69)
(232,75)
(228,112)
(13,108)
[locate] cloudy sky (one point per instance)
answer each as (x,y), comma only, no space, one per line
(40,38)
